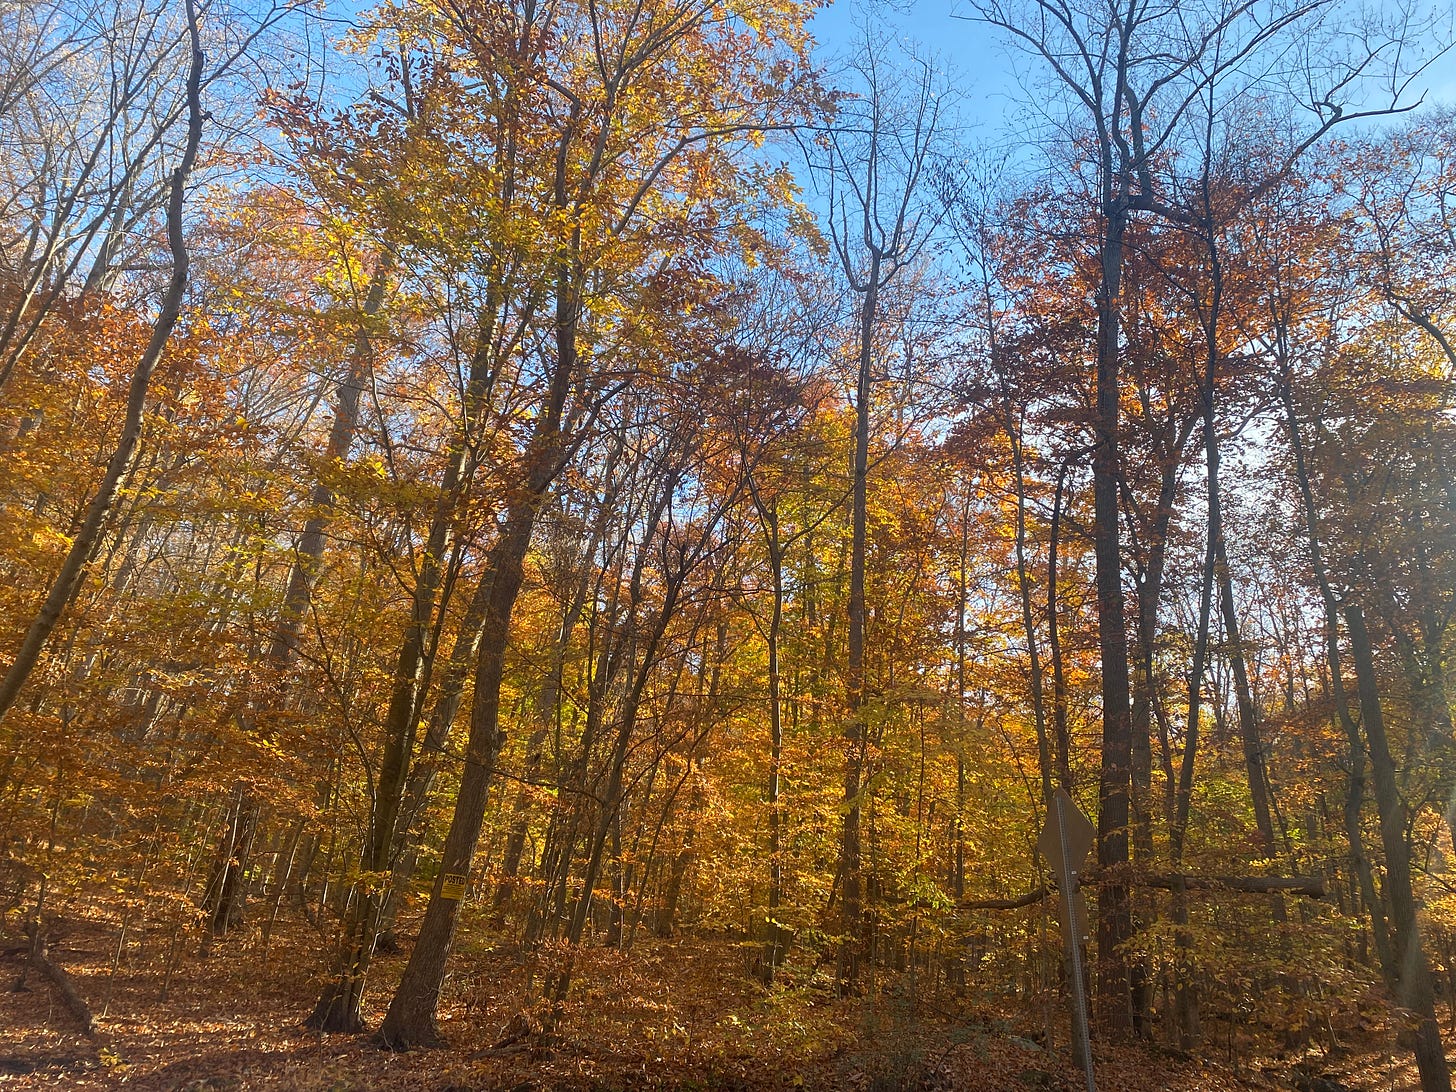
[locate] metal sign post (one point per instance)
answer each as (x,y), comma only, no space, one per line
(1065,842)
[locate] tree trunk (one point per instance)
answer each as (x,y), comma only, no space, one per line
(123,460)
(1145,692)
(1355,792)
(426,767)
(1255,765)
(852,919)
(410,1020)
(338,1006)
(1063,736)
(342,431)
(1028,616)
(1114,918)
(1413,985)
(776,936)
(1186,997)
(230,890)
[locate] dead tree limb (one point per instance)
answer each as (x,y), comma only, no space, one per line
(1031,898)
(1310,886)
(40,958)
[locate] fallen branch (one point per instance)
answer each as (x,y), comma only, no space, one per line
(1031,898)
(1310,886)
(520,1036)
(40,957)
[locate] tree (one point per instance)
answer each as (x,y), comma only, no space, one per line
(123,461)
(1132,76)
(876,156)
(595,116)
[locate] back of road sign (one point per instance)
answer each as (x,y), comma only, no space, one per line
(1064,842)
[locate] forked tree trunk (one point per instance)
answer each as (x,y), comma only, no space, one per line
(410,1020)
(339,1004)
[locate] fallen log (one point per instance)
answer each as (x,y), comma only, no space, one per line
(75,1003)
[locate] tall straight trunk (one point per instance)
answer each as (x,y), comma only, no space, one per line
(1080,1046)
(339,1004)
(1114,918)
(1145,690)
(1186,997)
(1355,791)
(1243,692)
(852,918)
(1215,576)
(1255,764)
(1414,989)
(230,890)
(958,874)
(123,461)
(777,936)
(342,431)
(1028,619)
(410,1020)
(1063,736)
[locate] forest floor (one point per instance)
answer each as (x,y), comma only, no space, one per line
(669,1015)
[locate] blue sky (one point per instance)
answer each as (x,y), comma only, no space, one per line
(981,65)
(984,65)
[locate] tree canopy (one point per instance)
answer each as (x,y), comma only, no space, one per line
(514,493)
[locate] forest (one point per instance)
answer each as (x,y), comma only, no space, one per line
(611,544)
